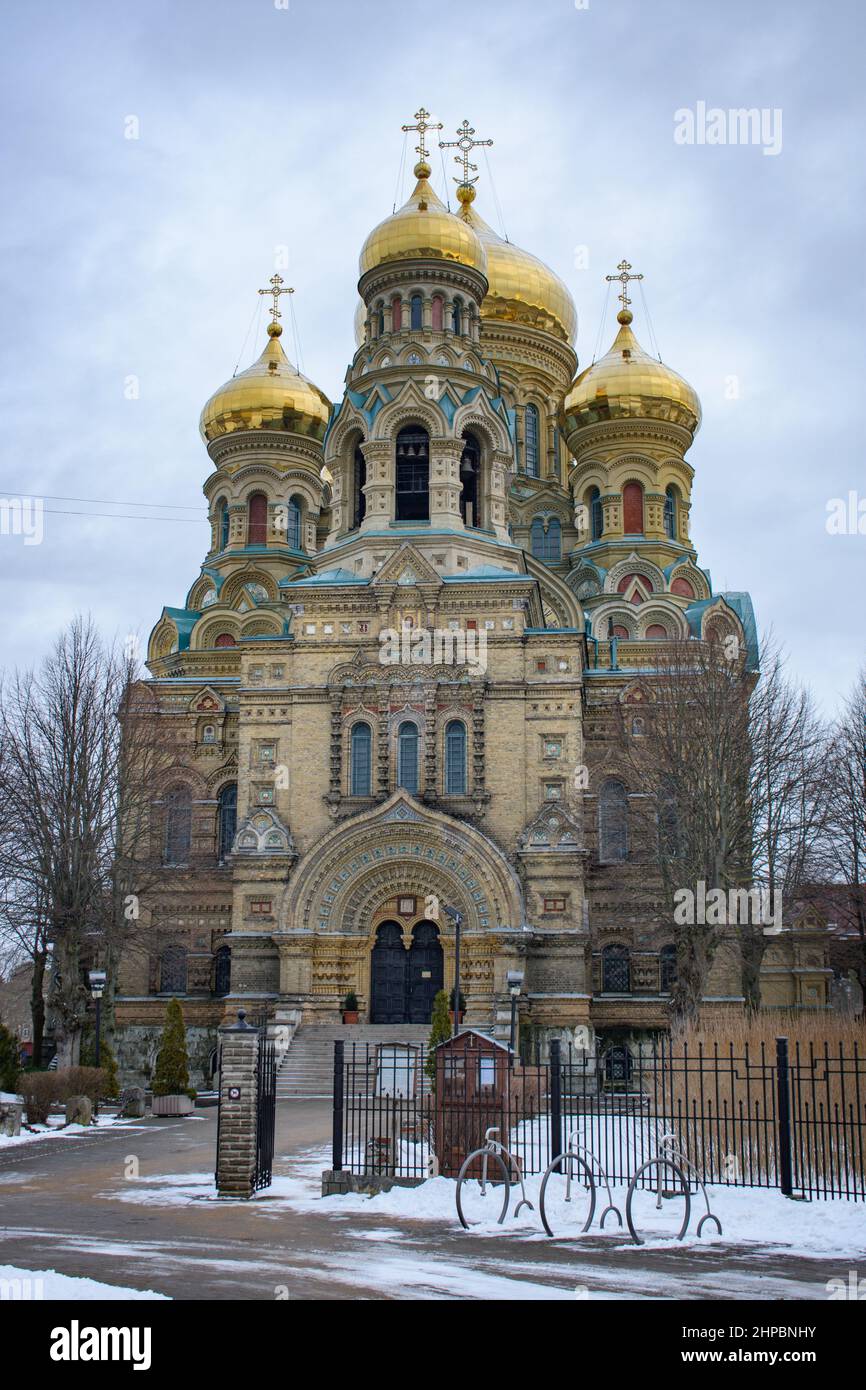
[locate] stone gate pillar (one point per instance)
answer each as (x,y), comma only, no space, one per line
(236,1138)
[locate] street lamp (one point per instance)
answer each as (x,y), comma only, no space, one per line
(514,980)
(97,979)
(458,922)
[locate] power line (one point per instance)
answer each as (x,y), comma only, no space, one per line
(109,502)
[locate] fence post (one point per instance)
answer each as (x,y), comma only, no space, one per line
(337,1154)
(783,1113)
(238,1113)
(556,1145)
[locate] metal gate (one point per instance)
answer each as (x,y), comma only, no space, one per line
(266,1113)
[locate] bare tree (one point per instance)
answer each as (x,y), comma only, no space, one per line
(788,799)
(692,771)
(845,838)
(75,793)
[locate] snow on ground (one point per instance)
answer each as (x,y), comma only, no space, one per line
(758,1217)
(57,1128)
(37,1284)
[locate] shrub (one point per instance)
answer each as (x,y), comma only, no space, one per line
(40,1090)
(350,1003)
(9,1065)
(107,1062)
(171,1074)
(440,1031)
(81,1081)
(462,1008)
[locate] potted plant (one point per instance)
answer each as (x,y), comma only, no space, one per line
(172,1094)
(350,1007)
(461,1007)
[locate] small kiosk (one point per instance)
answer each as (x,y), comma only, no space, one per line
(479,1086)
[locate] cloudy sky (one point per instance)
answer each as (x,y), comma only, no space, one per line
(129,266)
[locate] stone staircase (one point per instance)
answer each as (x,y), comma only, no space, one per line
(307,1069)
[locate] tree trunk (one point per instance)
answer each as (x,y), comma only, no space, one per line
(37,1006)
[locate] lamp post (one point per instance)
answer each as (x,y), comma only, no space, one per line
(97,979)
(514,980)
(458,922)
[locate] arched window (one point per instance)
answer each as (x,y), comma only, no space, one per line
(359,501)
(671,512)
(669,821)
(361,762)
(615,970)
(416,309)
(667,968)
(396,314)
(172,970)
(612,822)
(546,545)
(470,473)
(257,519)
(455,758)
(178,826)
(437,313)
(632,509)
(227,820)
(457,316)
(379,320)
(413,475)
(656,631)
(222,523)
(407,757)
(222,974)
(530,440)
(596,514)
(617,630)
(225,639)
(293,523)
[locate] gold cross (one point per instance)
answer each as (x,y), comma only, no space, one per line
(466,145)
(276,283)
(422,127)
(624,267)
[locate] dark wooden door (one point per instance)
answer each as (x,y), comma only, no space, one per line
(388,976)
(426,971)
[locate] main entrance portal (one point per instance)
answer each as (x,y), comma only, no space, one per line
(404,983)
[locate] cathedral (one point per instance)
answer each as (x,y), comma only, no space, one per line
(387,693)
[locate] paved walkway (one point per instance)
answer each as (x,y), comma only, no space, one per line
(57,1211)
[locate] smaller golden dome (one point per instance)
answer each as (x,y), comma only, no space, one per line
(522,289)
(422,229)
(629,384)
(360,322)
(269,395)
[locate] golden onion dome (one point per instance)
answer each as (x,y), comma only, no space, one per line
(269,395)
(629,384)
(360,322)
(423,229)
(522,289)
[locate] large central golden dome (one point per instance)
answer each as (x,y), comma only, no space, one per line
(522,289)
(627,383)
(423,229)
(269,395)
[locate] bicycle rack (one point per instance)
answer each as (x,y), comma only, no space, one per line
(670,1148)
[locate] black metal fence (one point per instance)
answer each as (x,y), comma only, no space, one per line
(266,1111)
(788,1119)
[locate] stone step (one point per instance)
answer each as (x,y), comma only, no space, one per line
(307,1068)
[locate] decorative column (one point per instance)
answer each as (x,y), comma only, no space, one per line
(611,507)
(380,487)
(382,739)
(445,482)
(430,787)
(494,507)
(654,516)
(236,1143)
